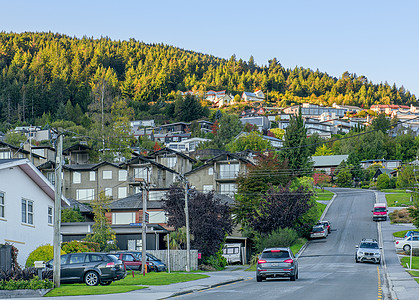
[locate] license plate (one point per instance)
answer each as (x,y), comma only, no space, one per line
(274,264)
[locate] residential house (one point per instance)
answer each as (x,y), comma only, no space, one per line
(261,122)
(348,108)
(188,145)
(8,151)
(26,214)
(251,97)
(219,174)
(389,172)
(35,133)
(309,110)
(219,98)
(328,163)
(387,108)
(387,164)
(77,154)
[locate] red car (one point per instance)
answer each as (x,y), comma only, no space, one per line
(130,261)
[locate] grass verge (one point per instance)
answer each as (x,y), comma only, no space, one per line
(414,273)
(393,191)
(400,234)
(398,199)
(323,195)
(127,284)
(417,280)
(406,260)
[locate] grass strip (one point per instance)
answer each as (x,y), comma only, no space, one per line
(323,195)
(82,289)
(406,260)
(158,278)
(403,200)
(400,234)
(414,273)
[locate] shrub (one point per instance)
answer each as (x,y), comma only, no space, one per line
(400,216)
(281,237)
(80,246)
(217,261)
(20,284)
(44,253)
(383,181)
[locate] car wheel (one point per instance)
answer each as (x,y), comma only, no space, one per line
(105,282)
(296,275)
(259,278)
(91,278)
(378,261)
(406,248)
(356,259)
(293,277)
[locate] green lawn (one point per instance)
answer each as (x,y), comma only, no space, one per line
(321,207)
(393,191)
(323,196)
(400,234)
(403,199)
(406,260)
(414,273)
(127,284)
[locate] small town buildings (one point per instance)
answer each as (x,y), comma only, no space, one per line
(35,133)
(387,108)
(261,122)
(387,164)
(251,97)
(328,163)
(314,111)
(188,145)
(8,151)
(219,98)
(26,207)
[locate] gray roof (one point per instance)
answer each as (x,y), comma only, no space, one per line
(329,160)
(76,204)
(133,202)
(4,161)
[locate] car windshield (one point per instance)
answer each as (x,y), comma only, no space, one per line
(379,209)
(151,257)
(275,254)
(369,245)
(318,229)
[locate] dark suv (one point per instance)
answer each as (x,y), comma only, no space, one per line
(276,262)
(90,268)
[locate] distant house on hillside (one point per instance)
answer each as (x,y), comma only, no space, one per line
(387,108)
(328,163)
(219,98)
(256,96)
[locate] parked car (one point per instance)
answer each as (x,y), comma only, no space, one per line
(318,231)
(153,263)
(379,212)
(276,262)
(232,253)
(368,250)
(326,224)
(407,243)
(411,232)
(90,268)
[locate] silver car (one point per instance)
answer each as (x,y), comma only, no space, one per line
(368,250)
(276,262)
(318,231)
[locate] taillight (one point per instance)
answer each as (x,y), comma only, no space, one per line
(261,261)
(111,264)
(288,261)
(397,242)
(275,250)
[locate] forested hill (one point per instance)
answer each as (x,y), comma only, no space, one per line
(41,71)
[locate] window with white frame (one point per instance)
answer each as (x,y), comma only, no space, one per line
(207,188)
(51,177)
(92,176)
(108,192)
(157,217)
(27,211)
(122,175)
(228,189)
(229,171)
(210,171)
(171,161)
(2,206)
(5,155)
(50,212)
(85,194)
(156,195)
(76,177)
(107,174)
(123,217)
(122,192)
(143,173)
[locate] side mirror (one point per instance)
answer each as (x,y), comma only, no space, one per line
(356,246)
(381,247)
(48,265)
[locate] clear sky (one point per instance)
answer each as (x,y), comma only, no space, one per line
(375,38)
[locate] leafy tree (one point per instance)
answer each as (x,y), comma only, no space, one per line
(295,149)
(323,150)
(381,123)
(123,138)
(189,108)
(229,126)
(277,132)
(71,215)
(321,179)
(280,237)
(344,177)
(406,178)
(383,181)
(414,210)
(280,208)
(102,233)
(15,139)
(251,141)
(209,218)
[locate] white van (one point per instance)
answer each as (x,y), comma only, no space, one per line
(233,253)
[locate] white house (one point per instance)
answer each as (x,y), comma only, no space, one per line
(256,96)
(26,207)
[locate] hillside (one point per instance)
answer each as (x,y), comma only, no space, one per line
(41,72)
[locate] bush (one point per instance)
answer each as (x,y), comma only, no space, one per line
(383,181)
(217,261)
(44,253)
(20,284)
(281,237)
(80,246)
(400,216)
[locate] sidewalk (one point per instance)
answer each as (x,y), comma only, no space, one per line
(402,286)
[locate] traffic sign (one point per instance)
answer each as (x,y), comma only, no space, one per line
(135,224)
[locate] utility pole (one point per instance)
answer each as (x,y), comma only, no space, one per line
(188,240)
(57,212)
(144,230)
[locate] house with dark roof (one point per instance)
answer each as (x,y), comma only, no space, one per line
(328,163)
(77,154)
(9,151)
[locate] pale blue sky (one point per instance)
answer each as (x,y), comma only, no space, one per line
(377,39)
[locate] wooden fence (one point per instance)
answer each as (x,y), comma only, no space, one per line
(177,259)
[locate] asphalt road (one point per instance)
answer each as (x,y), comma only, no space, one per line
(327,266)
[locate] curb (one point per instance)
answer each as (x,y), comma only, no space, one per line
(327,207)
(204,288)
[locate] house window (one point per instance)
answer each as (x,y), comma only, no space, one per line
(108,192)
(207,188)
(171,162)
(211,171)
(123,218)
(92,176)
(107,174)
(2,214)
(157,217)
(229,171)
(85,194)
(51,177)
(143,173)
(76,177)
(228,189)
(122,192)
(122,175)
(5,155)
(49,214)
(27,211)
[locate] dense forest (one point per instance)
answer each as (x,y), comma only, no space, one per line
(42,73)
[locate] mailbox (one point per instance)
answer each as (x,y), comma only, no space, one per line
(39,264)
